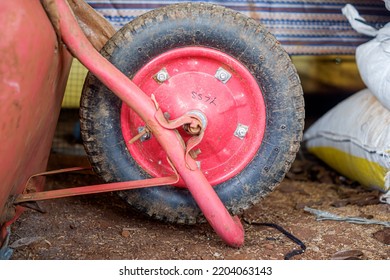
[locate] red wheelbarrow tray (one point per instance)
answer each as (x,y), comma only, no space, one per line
(32,85)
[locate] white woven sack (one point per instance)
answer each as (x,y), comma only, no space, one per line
(354,139)
(373,57)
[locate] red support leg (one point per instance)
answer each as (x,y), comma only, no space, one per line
(227,227)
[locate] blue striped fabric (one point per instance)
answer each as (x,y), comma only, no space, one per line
(302,27)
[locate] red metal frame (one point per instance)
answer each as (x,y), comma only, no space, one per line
(33,72)
(146,107)
(90,189)
(228,228)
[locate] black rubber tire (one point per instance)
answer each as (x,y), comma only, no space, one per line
(208,25)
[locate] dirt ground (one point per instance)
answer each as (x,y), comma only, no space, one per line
(101,227)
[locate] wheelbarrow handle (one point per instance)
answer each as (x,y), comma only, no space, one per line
(227,227)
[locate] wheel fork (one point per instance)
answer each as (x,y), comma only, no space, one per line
(227,227)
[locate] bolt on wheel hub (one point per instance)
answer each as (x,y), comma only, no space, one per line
(218,86)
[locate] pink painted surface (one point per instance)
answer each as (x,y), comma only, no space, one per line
(33,74)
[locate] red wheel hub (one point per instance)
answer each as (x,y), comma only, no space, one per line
(198,78)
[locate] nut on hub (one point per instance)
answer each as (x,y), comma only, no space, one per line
(241,131)
(162,75)
(223,75)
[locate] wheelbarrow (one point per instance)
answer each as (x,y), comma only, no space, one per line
(191,112)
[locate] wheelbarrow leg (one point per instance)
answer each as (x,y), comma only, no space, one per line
(228,228)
